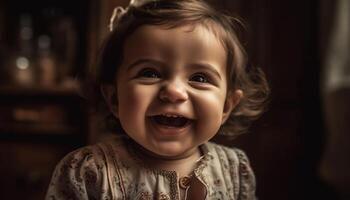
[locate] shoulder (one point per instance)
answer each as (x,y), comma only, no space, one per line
(231,154)
(77,171)
(92,156)
(235,162)
(82,158)
(83,173)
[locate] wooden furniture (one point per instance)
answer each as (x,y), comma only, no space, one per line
(42,115)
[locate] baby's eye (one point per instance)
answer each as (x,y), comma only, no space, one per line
(201,78)
(149,73)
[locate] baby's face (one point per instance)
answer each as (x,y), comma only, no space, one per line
(171,88)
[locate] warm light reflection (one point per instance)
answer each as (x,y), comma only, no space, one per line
(22,63)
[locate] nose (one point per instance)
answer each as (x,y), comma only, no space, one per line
(174,92)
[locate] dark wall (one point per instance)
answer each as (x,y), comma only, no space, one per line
(285,146)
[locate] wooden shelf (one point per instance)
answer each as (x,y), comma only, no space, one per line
(37,129)
(43,119)
(34,91)
(42,134)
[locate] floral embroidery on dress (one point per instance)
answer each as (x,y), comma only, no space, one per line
(217,182)
(145,196)
(86,174)
(162,196)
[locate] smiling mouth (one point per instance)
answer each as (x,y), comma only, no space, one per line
(174,121)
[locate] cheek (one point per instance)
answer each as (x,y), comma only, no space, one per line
(209,109)
(134,101)
(130,109)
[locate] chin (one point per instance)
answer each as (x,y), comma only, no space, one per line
(172,151)
(168,151)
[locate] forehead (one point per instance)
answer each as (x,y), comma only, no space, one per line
(187,42)
(209,31)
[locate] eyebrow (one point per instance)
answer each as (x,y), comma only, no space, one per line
(207,67)
(144,60)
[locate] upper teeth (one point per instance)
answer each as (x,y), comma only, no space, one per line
(170,115)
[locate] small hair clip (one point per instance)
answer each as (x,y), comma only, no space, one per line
(139,2)
(117,12)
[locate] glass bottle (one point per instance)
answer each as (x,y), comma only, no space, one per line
(46,62)
(22,65)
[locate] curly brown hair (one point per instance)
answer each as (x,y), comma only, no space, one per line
(171,14)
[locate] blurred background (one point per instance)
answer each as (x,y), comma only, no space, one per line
(299,149)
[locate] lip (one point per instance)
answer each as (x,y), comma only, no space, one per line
(163,130)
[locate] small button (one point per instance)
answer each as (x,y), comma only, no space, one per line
(184,182)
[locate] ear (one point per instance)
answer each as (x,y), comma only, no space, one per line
(232,100)
(109,93)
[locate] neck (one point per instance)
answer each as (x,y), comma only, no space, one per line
(182,164)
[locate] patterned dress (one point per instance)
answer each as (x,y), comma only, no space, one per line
(113,171)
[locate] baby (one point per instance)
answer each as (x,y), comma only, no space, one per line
(173,74)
